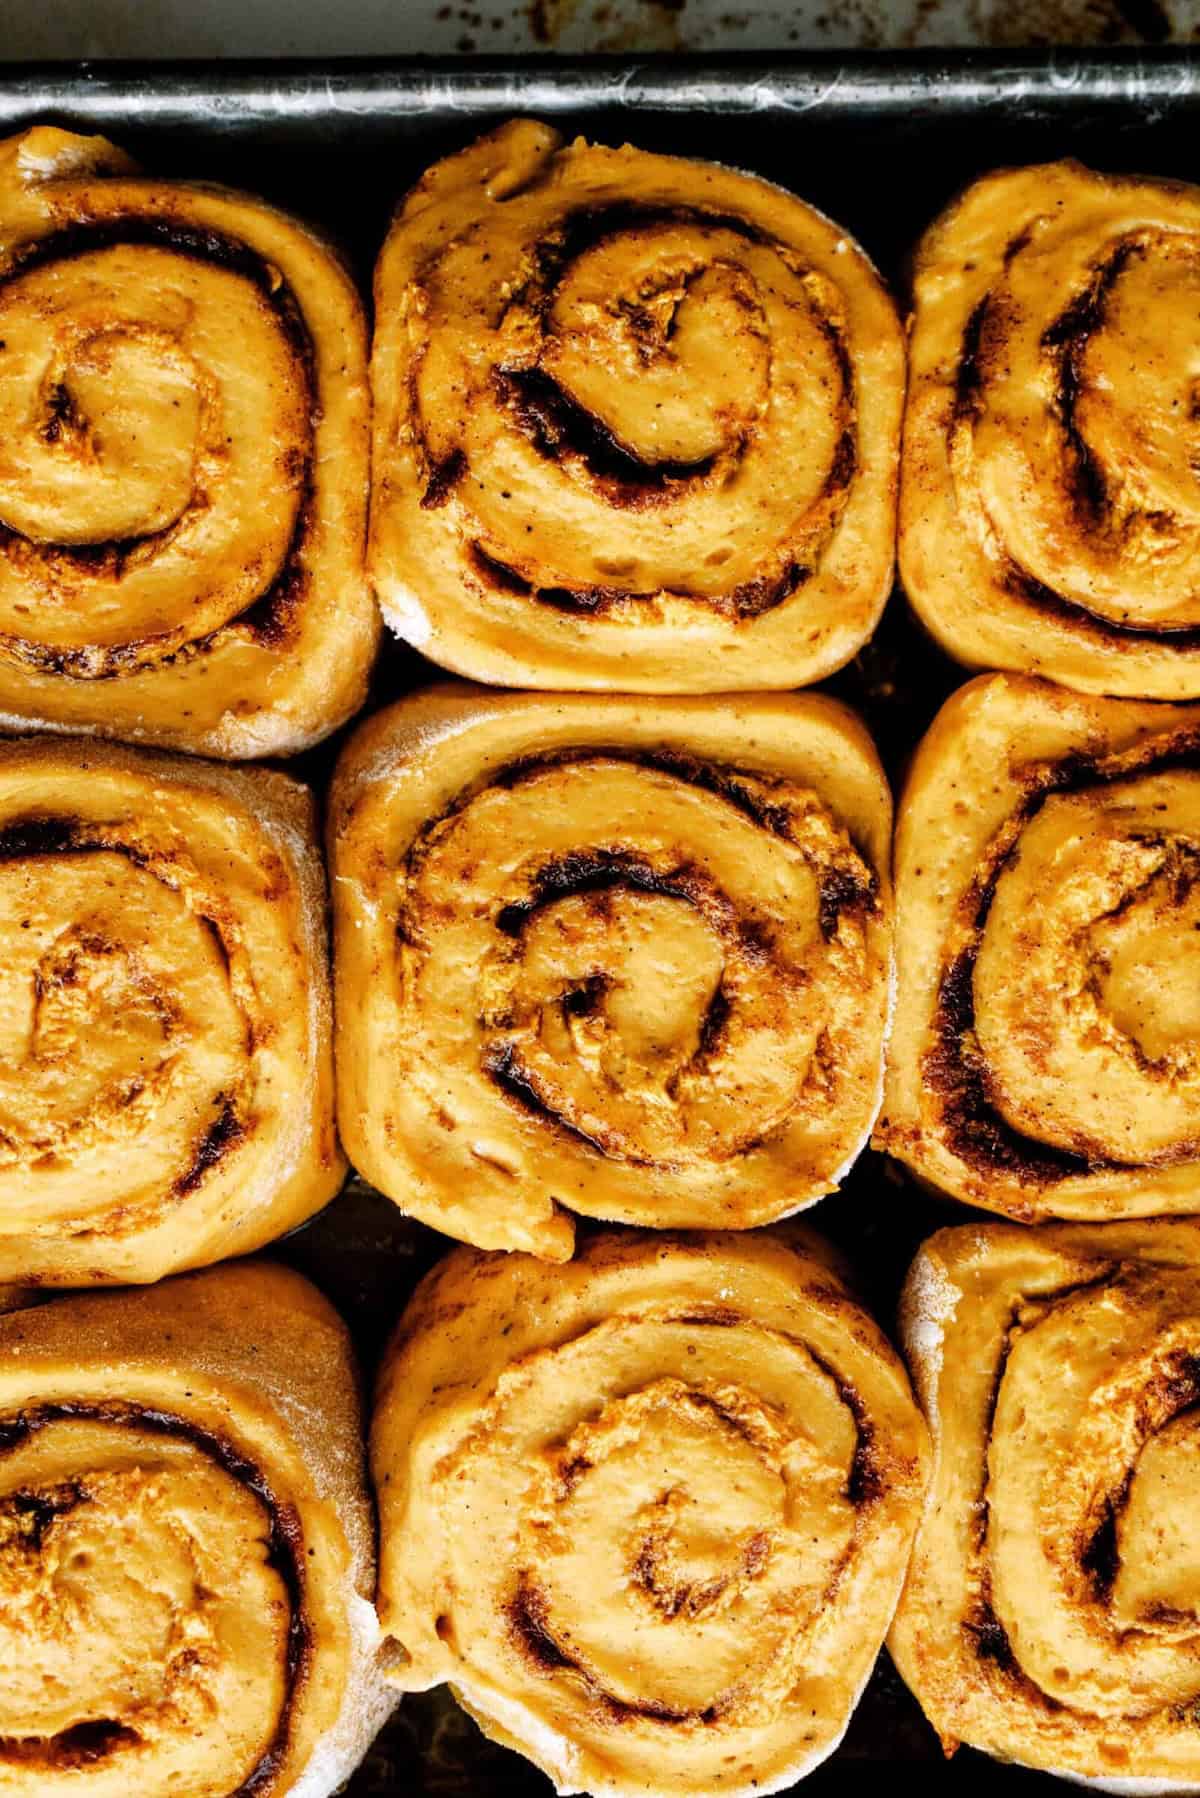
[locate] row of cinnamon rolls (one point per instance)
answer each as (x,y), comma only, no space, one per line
(637,427)
(597,958)
(651,1515)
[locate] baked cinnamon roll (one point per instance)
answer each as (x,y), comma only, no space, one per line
(1045,1059)
(636,423)
(648,1513)
(602,956)
(1050,502)
(1051,1613)
(183,460)
(186,1554)
(166,1090)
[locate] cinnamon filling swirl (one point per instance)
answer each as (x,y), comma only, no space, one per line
(591,367)
(182,460)
(620,970)
(1050,514)
(652,1537)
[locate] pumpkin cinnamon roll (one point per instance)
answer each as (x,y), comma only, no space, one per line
(183,460)
(648,1514)
(166,1091)
(602,956)
(636,423)
(1050,504)
(1045,1060)
(186,1554)
(1051,1614)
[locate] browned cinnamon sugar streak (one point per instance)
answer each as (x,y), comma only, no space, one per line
(1049,511)
(186,1556)
(183,460)
(1051,1613)
(1044,1058)
(623,958)
(636,423)
(648,1513)
(166,1083)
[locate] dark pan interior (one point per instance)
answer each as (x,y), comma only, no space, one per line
(878,142)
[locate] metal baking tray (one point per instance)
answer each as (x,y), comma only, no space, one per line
(880,142)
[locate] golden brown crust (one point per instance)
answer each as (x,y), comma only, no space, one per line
(1043,1059)
(184,421)
(647,1513)
(1048,508)
(630,958)
(168,1094)
(636,424)
(1050,1613)
(191,1453)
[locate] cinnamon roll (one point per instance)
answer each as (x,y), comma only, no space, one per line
(1050,504)
(183,460)
(186,1554)
(648,1513)
(1045,1060)
(636,423)
(1051,1613)
(602,956)
(166,1092)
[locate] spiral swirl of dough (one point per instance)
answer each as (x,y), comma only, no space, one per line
(597,956)
(1052,1610)
(1044,1058)
(637,423)
(183,460)
(186,1555)
(648,1513)
(166,1097)
(1050,504)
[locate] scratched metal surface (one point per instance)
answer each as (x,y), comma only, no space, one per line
(880,143)
(102,28)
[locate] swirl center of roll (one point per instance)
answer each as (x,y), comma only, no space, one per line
(1099,1510)
(142,1618)
(1087,977)
(665,343)
(704,1534)
(640,952)
(124,1023)
(677,1539)
(607,406)
(154,445)
(1077,443)
(1156,1586)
